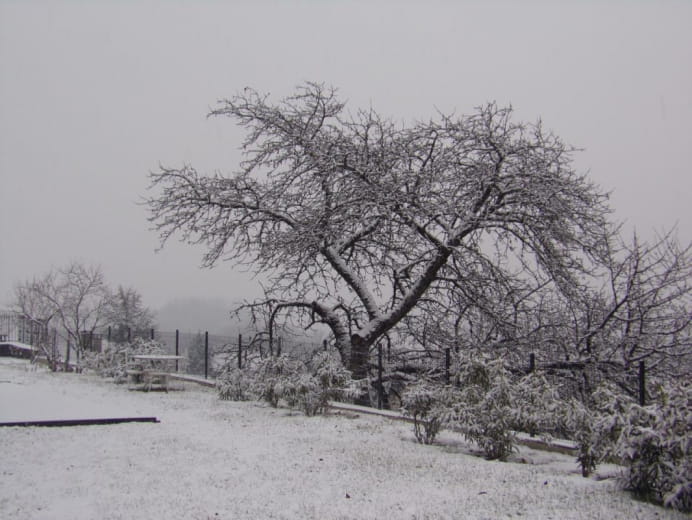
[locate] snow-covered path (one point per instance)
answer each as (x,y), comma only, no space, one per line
(209,459)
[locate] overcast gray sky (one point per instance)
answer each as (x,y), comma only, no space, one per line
(94,95)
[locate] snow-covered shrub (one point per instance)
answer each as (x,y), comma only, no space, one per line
(656,447)
(653,442)
(334,379)
(535,405)
(486,405)
(482,410)
(582,423)
(596,426)
(112,360)
(428,405)
(492,404)
(325,380)
(303,391)
(307,387)
(141,346)
(273,378)
(235,384)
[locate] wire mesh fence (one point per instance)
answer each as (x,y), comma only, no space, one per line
(207,354)
(572,377)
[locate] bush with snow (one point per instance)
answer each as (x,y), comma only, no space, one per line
(324,379)
(483,409)
(487,405)
(234,384)
(303,391)
(333,378)
(328,368)
(536,405)
(308,387)
(582,423)
(652,442)
(428,405)
(274,378)
(112,360)
(595,426)
(266,380)
(655,446)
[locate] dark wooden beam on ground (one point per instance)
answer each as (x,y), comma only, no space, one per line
(82,422)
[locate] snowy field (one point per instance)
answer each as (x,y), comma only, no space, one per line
(209,459)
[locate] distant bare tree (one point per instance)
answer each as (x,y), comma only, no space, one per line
(30,302)
(128,313)
(76,296)
(356,219)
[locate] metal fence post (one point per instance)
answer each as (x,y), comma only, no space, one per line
(642,384)
(240,351)
(380,388)
(177,347)
(54,350)
(532,362)
(206,354)
(448,359)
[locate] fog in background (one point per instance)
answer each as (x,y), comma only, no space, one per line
(94,95)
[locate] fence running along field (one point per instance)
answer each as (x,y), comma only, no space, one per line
(207,354)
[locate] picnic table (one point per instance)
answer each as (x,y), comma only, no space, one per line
(150,371)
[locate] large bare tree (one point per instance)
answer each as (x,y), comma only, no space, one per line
(355,218)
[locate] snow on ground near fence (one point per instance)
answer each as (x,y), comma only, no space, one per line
(210,459)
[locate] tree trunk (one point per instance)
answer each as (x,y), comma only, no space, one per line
(358,366)
(67,357)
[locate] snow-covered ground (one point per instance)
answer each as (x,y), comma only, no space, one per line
(209,459)
(26,396)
